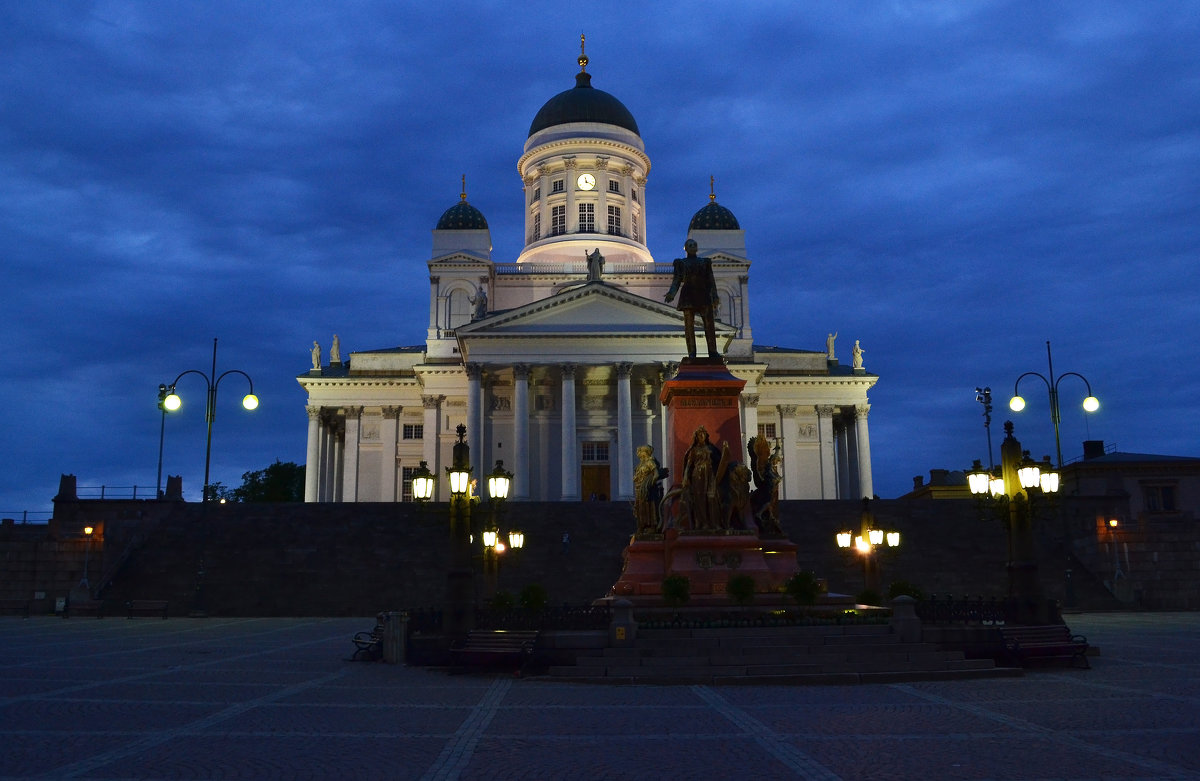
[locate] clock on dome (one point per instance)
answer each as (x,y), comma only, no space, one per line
(586,181)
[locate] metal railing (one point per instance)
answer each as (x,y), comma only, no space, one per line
(28,516)
(116,492)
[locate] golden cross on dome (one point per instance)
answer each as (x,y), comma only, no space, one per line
(463,195)
(583,60)
(712,191)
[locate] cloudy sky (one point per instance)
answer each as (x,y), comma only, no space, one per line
(951,183)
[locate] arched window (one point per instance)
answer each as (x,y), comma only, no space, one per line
(458,309)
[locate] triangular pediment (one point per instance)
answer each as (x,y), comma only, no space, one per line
(593,308)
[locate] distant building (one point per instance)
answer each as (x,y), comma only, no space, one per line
(555,360)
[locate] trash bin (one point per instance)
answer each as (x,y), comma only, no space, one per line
(395,630)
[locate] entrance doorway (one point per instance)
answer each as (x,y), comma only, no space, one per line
(595,481)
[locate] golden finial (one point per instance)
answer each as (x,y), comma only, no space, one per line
(583,60)
(463,195)
(712,191)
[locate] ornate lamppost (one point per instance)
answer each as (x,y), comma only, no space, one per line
(866,543)
(459,616)
(499,483)
(172,402)
(87,555)
(1090,402)
(1014,494)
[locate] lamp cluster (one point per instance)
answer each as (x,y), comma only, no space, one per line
(1030,474)
(499,481)
(866,542)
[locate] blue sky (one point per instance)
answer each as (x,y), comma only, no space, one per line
(953,184)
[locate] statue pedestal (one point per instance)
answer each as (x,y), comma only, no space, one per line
(707,559)
(703,393)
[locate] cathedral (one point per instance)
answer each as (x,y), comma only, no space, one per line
(555,360)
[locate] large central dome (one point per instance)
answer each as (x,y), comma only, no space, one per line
(584,103)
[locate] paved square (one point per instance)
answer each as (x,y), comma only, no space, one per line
(274,698)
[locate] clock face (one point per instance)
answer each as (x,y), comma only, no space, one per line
(586,181)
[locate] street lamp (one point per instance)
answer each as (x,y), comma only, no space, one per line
(87,555)
(164,392)
(984,397)
(1022,481)
(866,542)
(499,483)
(1017,403)
(172,402)
(459,618)
(423,482)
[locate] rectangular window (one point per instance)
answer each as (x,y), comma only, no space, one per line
(633,194)
(1159,498)
(595,452)
(587,218)
(614,220)
(557,186)
(766,430)
(536,233)
(558,220)
(614,186)
(537,195)
(406,476)
(414,430)
(633,225)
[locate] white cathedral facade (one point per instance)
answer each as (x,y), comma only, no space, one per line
(555,362)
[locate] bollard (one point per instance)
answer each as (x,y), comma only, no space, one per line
(905,622)
(395,633)
(622,631)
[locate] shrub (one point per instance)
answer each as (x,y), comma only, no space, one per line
(869,597)
(533,597)
(803,587)
(902,588)
(740,589)
(503,600)
(676,590)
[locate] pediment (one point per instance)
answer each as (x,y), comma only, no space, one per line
(593,308)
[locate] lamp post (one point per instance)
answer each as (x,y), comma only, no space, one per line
(984,397)
(865,544)
(1013,494)
(87,555)
(1090,402)
(172,402)
(459,617)
(163,392)
(499,483)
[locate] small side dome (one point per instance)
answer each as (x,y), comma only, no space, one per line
(462,216)
(714,217)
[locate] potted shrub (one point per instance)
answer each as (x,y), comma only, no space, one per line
(676,590)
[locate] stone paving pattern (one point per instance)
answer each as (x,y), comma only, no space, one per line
(275,698)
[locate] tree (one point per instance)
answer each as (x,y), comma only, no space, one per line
(279,482)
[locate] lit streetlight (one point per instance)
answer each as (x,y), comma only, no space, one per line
(866,543)
(172,402)
(1017,403)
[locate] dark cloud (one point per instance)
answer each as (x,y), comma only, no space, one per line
(953,184)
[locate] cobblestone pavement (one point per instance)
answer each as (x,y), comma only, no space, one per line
(275,699)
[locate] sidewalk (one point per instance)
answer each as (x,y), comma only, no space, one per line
(273,698)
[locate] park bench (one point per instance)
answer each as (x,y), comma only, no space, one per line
(147,608)
(1027,644)
(18,606)
(84,607)
(368,646)
(500,648)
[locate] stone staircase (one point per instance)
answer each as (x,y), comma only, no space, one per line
(850,654)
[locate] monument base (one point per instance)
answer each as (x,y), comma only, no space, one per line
(707,559)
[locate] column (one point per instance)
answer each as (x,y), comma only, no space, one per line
(641,183)
(570,455)
(569,184)
(865,485)
(790,434)
(312,463)
(389,438)
(431,437)
(337,465)
(749,422)
(474,417)
(350,456)
(827,458)
(520,467)
(624,434)
(543,205)
(841,445)
(601,196)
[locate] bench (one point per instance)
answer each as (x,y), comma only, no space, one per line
(495,649)
(148,608)
(19,606)
(368,646)
(1037,643)
(84,607)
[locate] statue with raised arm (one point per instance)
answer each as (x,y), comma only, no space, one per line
(595,265)
(829,346)
(693,281)
(858,354)
(316,356)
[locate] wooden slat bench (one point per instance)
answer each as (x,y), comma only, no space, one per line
(147,608)
(18,606)
(496,649)
(85,607)
(1027,644)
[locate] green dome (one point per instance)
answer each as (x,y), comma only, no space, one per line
(584,103)
(462,216)
(714,217)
